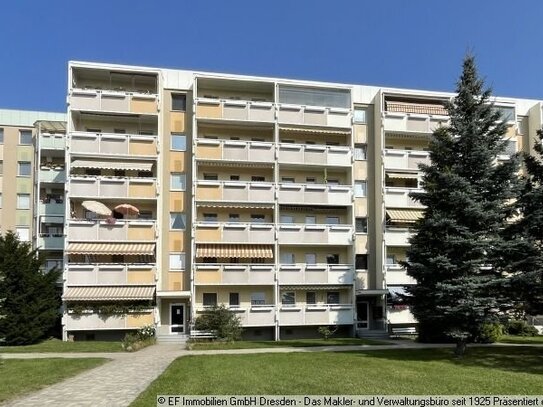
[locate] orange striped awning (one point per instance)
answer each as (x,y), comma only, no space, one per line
(417,108)
(315,131)
(404,215)
(111,248)
(109,293)
(234,250)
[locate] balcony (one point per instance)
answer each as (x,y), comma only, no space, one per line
(51,242)
(235,191)
(255,315)
(93,322)
(52,208)
(400,316)
(315,234)
(208,232)
(315,274)
(397,236)
(314,116)
(112,187)
(113,144)
(234,274)
(405,160)
(315,194)
(52,141)
(113,101)
(121,230)
(325,314)
(53,175)
(313,154)
(110,274)
(399,198)
(396,275)
(251,151)
(410,123)
(236,110)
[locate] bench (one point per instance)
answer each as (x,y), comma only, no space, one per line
(195,334)
(397,331)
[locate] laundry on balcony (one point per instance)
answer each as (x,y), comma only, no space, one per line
(109,293)
(404,215)
(113,165)
(234,251)
(111,248)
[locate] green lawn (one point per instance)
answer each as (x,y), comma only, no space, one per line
(491,370)
(295,343)
(20,376)
(524,340)
(55,345)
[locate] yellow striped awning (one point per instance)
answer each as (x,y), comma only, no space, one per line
(234,250)
(109,293)
(234,206)
(402,175)
(404,215)
(315,131)
(111,248)
(237,164)
(417,108)
(113,165)
(314,287)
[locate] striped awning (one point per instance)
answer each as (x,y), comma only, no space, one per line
(314,287)
(234,206)
(402,175)
(111,248)
(404,215)
(237,164)
(234,250)
(109,293)
(315,131)
(417,108)
(113,165)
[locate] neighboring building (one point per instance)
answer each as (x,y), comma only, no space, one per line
(288,201)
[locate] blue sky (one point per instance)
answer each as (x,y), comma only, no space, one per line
(401,43)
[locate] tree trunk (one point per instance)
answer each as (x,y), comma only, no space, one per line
(460,349)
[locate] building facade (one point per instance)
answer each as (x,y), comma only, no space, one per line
(165,192)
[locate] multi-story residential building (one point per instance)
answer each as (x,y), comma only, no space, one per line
(166,192)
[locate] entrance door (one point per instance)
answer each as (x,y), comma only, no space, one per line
(362,314)
(177,318)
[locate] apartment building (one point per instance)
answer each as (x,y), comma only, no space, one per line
(164,192)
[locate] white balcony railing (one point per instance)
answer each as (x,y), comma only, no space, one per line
(51,242)
(121,230)
(52,208)
(235,191)
(325,314)
(412,123)
(254,274)
(290,193)
(110,274)
(396,275)
(74,322)
(315,274)
(235,150)
(238,110)
(397,236)
(317,116)
(313,154)
(52,141)
(81,142)
(234,232)
(405,159)
(292,233)
(112,187)
(254,315)
(113,101)
(396,197)
(53,175)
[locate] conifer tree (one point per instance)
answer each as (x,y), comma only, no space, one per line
(457,245)
(29,301)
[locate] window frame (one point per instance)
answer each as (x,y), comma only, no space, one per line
(182,261)
(25,132)
(183,218)
(20,165)
(182,136)
(211,301)
(20,196)
(175,96)
(183,181)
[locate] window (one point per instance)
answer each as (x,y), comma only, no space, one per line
(298,95)
(177,181)
(507,113)
(23,201)
(91,130)
(510,147)
(117,258)
(332,297)
(119,173)
(146,215)
(233,217)
(256,178)
(360,189)
(360,116)
(1,136)
(25,137)
(332,181)
(24,168)
(332,220)
(391,259)
(287,258)
(210,177)
(177,261)
(234,177)
(310,180)
(119,131)
(0,200)
(1,167)
(258,218)
(179,142)
(234,138)
(288,298)
(177,221)
(233,300)
(258,298)
(24,233)
(361,261)
(360,152)
(310,258)
(361,225)
(179,102)
(93,171)
(310,219)
(287,219)
(332,258)
(289,180)
(210,217)
(310,297)
(210,299)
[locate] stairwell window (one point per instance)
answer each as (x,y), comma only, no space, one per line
(177,221)
(178,142)
(23,201)
(361,225)
(25,137)
(24,169)
(360,152)
(360,116)
(177,181)
(360,189)
(23,232)
(179,102)
(177,261)
(1,136)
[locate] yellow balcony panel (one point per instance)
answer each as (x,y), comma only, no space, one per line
(211,276)
(142,147)
(139,320)
(209,110)
(209,151)
(140,276)
(142,190)
(141,232)
(143,105)
(175,282)
(208,192)
(177,122)
(208,234)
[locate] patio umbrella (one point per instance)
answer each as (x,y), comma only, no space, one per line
(127,209)
(97,207)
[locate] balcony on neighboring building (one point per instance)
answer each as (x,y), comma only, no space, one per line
(413,116)
(313,115)
(51,241)
(405,159)
(316,314)
(235,191)
(235,150)
(112,187)
(52,141)
(325,194)
(52,207)
(397,197)
(111,230)
(212,232)
(397,236)
(315,154)
(118,101)
(133,145)
(234,274)
(110,274)
(315,274)
(292,233)
(53,174)
(235,110)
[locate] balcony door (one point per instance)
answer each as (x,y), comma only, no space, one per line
(177,318)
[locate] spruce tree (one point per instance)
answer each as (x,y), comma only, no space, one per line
(457,245)
(29,301)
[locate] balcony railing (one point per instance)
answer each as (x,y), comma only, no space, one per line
(255,315)
(317,116)
(253,151)
(396,197)
(325,314)
(53,175)
(113,101)
(315,274)
(315,194)
(405,160)
(254,274)
(121,230)
(89,321)
(238,110)
(397,236)
(412,123)
(110,274)
(52,208)
(396,275)
(234,232)
(290,233)
(112,187)
(52,141)
(51,242)
(113,144)
(313,154)
(400,316)
(235,191)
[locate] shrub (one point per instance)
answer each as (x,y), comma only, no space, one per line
(326,332)
(135,341)
(220,320)
(489,333)
(146,332)
(521,328)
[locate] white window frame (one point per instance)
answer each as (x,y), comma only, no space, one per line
(172,220)
(182,181)
(177,261)
(360,189)
(21,196)
(182,136)
(21,132)
(19,166)
(23,232)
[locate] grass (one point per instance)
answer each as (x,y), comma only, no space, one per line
(294,343)
(491,370)
(523,340)
(56,345)
(20,376)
